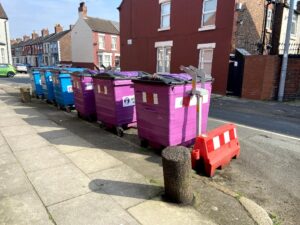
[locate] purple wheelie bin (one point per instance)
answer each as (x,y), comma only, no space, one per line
(114,98)
(166,113)
(84,98)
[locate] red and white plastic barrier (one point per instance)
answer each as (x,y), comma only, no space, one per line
(216,148)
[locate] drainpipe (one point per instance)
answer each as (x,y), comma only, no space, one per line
(7,44)
(286,53)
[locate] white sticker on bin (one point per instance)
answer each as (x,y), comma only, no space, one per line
(144,97)
(155,99)
(40,82)
(128,101)
(98,88)
(105,90)
(178,102)
(50,78)
(88,86)
(69,88)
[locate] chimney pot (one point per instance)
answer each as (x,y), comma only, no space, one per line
(82,10)
(34,35)
(45,32)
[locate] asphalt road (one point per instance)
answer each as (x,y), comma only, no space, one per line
(268,168)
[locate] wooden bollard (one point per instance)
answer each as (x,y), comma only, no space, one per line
(25,94)
(177,174)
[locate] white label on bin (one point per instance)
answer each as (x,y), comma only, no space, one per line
(144,97)
(178,102)
(50,78)
(98,89)
(69,88)
(205,99)
(193,101)
(105,90)
(40,82)
(88,86)
(155,99)
(128,101)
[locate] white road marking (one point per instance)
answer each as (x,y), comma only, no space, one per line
(261,130)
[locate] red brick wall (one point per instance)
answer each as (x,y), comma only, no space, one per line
(262,75)
(65,48)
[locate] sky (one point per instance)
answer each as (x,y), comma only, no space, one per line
(26,16)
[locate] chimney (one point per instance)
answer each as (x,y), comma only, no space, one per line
(13,41)
(26,38)
(82,10)
(19,40)
(34,35)
(298,6)
(58,28)
(45,32)
(71,27)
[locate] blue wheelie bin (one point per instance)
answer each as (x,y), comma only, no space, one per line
(36,83)
(63,90)
(47,84)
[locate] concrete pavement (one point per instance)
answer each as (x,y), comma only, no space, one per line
(57,169)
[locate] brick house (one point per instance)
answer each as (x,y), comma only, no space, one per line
(57,48)
(179,32)
(95,41)
(47,49)
(5,45)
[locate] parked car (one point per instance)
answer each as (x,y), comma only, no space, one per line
(7,70)
(21,68)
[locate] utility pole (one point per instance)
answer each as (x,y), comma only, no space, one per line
(286,53)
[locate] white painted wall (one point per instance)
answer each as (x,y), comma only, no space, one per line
(5,38)
(82,42)
(295,39)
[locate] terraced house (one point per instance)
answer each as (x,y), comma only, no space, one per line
(95,41)
(5,46)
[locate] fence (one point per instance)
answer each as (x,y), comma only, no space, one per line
(294,48)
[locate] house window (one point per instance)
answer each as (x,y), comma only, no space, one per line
(206,57)
(105,59)
(163,59)
(209,13)
(165,11)
(294,25)
(269,19)
(2,55)
(114,43)
(101,41)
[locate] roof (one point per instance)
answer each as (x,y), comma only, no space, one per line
(57,36)
(102,26)
(2,13)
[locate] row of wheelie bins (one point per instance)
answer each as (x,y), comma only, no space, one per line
(160,106)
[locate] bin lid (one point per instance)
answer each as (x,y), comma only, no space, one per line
(168,79)
(120,75)
(85,73)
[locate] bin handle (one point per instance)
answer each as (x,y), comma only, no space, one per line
(150,109)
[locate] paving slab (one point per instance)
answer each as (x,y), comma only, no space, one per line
(12,121)
(12,131)
(13,180)
(7,158)
(60,183)
(162,213)
(25,142)
(90,209)
(92,160)
(125,186)
(57,133)
(70,144)
(4,148)
(41,158)
(2,140)
(23,209)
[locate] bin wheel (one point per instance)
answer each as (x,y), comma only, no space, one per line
(42,97)
(58,107)
(144,143)
(48,101)
(37,96)
(120,131)
(79,115)
(68,109)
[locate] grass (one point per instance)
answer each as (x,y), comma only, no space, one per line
(275,219)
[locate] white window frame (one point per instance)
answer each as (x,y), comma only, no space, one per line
(164,45)
(2,51)
(202,48)
(103,54)
(294,21)
(207,27)
(101,36)
(112,46)
(161,3)
(269,19)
